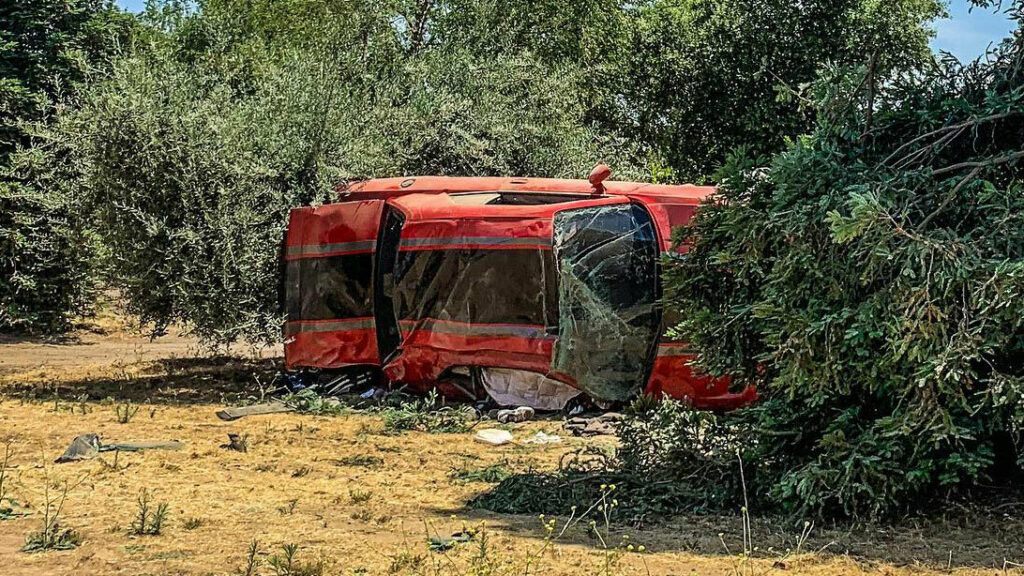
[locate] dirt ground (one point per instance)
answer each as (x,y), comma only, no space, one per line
(349,496)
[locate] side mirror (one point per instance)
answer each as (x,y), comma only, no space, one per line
(598,175)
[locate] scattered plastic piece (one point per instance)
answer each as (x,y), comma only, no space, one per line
(493,436)
(442,544)
(88,446)
(230,414)
(542,438)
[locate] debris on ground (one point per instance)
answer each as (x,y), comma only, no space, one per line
(493,436)
(520,414)
(442,544)
(234,413)
(375,394)
(236,442)
(603,425)
(509,387)
(542,438)
(88,446)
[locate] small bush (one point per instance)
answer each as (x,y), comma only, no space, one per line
(309,402)
(427,415)
(362,515)
(361,461)
(52,535)
(147,521)
(125,412)
(359,496)
(252,559)
(54,538)
(492,474)
(672,459)
(286,564)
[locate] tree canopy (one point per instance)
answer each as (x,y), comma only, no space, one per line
(868,280)
(225,114)
(862,264)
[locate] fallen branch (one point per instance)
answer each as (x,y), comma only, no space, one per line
(980,163)
(937,131)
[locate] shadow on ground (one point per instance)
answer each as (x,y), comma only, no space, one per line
(958,536)
(197,380)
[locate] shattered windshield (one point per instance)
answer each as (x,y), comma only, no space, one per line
(607,265)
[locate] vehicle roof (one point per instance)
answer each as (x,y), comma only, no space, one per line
(456,184)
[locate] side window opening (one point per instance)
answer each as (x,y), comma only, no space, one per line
(608,290)
(389,334)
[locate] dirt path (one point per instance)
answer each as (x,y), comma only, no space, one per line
(346,492)
(103,347)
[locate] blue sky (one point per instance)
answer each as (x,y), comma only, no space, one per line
(964,34)
(133,5)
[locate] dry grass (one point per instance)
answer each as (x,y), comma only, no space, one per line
(353,500)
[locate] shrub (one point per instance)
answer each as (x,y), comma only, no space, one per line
(148,521)
(47,257)
(491,474)
(869,281)
(672,459)
(427,415)
(53,535)
(193,151)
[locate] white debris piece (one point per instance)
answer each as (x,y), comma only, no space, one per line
(493,436)
(542,438)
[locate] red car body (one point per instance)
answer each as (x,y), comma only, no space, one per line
(419,276)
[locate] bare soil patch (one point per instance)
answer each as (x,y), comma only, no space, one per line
(348,494)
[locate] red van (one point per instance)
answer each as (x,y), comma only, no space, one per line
(530,290)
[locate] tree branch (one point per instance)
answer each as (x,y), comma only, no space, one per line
(980,163)
(965,124)
(949,198)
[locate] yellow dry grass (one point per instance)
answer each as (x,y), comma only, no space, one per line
(303,482)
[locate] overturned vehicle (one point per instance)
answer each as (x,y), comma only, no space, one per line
(527,291)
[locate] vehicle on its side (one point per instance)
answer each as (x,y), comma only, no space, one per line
(530,290)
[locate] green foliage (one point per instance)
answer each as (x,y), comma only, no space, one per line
(56,538)
(869,281)
(672,459)
(427,415)
(48,49)
(493,473)
(310,402)
(193,151)
(223,116)
(148,521)
(361,461)
(704,76)
(46,260)
(286,564)
(53,535)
